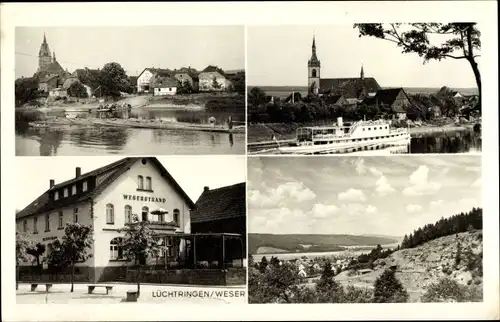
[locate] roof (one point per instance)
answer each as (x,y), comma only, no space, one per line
(349,87)
(48,78)
(222,203)
(165,82)
(212,69)
(388,96)
(109,173)
(158,71)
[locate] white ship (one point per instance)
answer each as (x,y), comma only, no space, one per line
(348,138)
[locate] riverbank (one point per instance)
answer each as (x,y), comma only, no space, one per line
(263,132)
(134,123)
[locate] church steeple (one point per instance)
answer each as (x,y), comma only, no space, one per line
(44,56)
(54,56)
(314,67)
(362,74)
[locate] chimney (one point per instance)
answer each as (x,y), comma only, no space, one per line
(78,172)
(52,183)
(206,188)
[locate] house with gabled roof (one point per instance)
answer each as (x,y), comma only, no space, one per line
(213,79)
(147,76)
(394,101)
(223,210)
(107,199)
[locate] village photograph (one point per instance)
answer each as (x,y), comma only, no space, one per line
(141,90)
(367,88)
(99,230)
(365,229)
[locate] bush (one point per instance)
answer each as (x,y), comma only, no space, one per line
(449,290)
(358,295)
(388,289)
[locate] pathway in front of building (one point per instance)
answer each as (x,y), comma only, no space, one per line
(60,294)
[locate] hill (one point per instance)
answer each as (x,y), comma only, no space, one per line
(312,243)
(457,256)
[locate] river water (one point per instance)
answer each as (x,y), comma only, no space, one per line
(79,140)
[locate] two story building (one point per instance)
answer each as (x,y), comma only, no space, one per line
(106,199)
(145,80)
(213,79)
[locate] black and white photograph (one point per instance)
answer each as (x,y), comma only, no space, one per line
(104,230)
(156,90)
(326,229)
(366,88)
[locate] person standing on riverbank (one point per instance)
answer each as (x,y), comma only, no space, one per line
(211,120)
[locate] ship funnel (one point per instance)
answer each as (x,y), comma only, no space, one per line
(339,121)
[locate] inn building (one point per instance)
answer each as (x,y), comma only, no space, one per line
(107,199)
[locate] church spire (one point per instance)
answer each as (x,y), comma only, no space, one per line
(314,61)
(54,56)
(362,74)
(44,39)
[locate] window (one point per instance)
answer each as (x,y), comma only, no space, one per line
(115,249)
(140,182)
(75,215)
(369,129)
(110,214)
(128,214)
(148,183)
(35,223)
(176,216)
(314,73)
(145,212)
(56,195)
(84,186)
(25,225)
(65,192)
(47,222)
(73,190)
(60,219)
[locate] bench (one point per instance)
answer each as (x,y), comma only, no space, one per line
(132,296)
(47,287)
(92,287)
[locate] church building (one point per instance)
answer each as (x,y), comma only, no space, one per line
(350,88)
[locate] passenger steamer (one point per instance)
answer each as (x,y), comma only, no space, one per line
(348,138)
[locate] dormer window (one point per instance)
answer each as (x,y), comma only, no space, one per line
(65,192)
(56,195)
(84,186)
(73,190)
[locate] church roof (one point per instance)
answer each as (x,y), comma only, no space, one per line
(109,173)
(348,87)
(314,61)
(222,203)
(47,79)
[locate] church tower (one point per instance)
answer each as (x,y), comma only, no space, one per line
(313,66)
(44,57)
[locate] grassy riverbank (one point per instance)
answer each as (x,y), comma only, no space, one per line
(262,132)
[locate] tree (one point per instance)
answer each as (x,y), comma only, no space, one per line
(23,242)
(184,87)
(449,290)
(77,90)
(113,80)
(215,84)
(263,264)
(56,259)
(139,243)
(463,40)
(26,89)
(76,243)
(256,97)
(239,84)
(36,251)
(329,291)
(388,289)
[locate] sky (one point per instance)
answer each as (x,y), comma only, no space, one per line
(190,172)
(278,55)
(353,195)
(135,48)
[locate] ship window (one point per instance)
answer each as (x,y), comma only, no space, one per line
(381,128)
(386,127)
(363,129)
(369,129)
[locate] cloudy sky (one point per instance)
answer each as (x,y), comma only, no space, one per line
(353,195)
(189,171)
(278,55)
(135,48)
